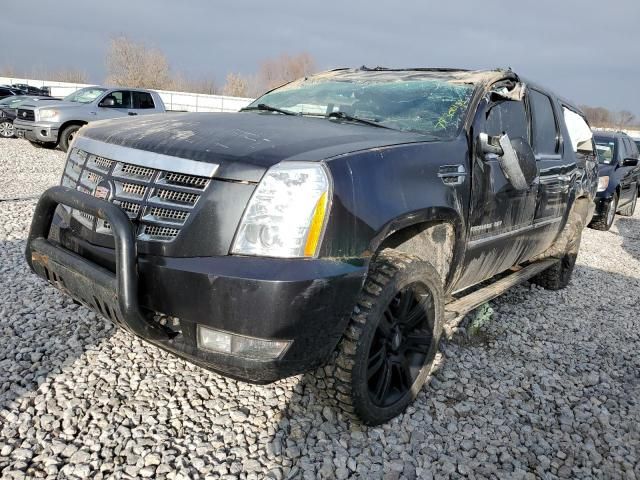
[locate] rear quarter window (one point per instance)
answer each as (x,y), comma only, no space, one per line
(142,100)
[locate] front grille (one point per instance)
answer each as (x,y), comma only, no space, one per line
(185,180)
(178,197)
(158,202)
(26,114)
(134,189)
(168,214)
(160,232)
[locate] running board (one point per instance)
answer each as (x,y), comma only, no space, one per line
(457,309)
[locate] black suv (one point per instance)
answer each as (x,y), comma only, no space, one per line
(339,219)
(619,178)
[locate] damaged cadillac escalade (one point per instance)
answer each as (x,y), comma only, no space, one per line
(342,218)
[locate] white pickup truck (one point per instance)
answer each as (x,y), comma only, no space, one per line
(55,124)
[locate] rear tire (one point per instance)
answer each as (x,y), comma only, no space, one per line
(630,208)
(605,221)
(387,351)
(67,136)
(6,129)
(558,275)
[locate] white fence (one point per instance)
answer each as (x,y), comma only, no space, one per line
(191,102)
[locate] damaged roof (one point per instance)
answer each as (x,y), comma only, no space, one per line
(389,74)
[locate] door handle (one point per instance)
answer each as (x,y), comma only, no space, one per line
(132,113)
(452,175)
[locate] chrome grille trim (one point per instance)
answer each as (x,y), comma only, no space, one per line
(144,158)
(158,202)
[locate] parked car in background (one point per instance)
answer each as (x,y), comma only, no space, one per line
(618,178)
(9,108)
(30,90)
(7,91)
(52,126)
(338,219)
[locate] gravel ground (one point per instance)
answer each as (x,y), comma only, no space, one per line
(549,388)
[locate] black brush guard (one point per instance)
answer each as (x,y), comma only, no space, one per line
(113,295)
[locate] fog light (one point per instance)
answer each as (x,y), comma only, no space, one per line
(239,345)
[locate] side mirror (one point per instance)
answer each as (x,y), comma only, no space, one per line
(108,102)
(630,162)
(516,158)
(486,145)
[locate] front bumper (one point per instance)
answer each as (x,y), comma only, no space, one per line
(306,302)
(602,202)
(42,132)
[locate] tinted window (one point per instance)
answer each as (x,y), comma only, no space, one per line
(4,91)
(142,100)
(545,131)
(508,117)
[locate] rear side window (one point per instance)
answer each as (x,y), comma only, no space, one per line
(630,148)
(545,128)
(508,117)
(142,100)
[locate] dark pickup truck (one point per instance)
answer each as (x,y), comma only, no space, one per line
(339,220)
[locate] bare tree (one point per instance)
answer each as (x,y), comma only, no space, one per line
(624,118)
(206,86)
(285,68)
(236,85)
(134,64)
(69,75)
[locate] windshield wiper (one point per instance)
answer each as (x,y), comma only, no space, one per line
(268,108)
(351,118)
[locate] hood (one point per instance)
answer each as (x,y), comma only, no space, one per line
(244,144)
(49,103)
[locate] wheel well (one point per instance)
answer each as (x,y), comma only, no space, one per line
(581,206)
(69,123)
(430,241)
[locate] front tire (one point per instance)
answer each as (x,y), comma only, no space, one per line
(67,136)
(385,356)
(605,221)
(6,129)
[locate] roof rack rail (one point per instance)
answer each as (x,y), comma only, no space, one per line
(418,69)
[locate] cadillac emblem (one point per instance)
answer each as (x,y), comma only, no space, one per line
(103,191)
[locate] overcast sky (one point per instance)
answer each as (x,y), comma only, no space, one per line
(587,52)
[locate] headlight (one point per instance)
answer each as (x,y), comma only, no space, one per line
(44,114)
(603,183)
(287,213)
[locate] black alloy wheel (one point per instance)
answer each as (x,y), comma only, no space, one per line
(401,345)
